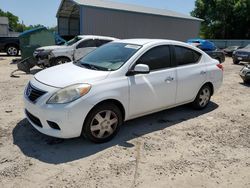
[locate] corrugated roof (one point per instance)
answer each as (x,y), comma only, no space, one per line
(4,20)
(133,8)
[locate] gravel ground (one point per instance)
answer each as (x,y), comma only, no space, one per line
(179,147)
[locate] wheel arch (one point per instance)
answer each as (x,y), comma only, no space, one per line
(115,102)
(63,56)
(11,44)
(211,87)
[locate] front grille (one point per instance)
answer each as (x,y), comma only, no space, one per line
(33,119)
(33,94)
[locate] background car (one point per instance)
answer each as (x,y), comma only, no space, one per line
(230,49)
(209,48)
(241,55)
(119,81)
(73,50)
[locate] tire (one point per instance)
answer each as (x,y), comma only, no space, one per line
(12,50)
(203,98)
(102,123)
(60,61)
(236,62)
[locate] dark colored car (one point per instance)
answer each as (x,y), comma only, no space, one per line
(245,74)
(242,55)
(10,45)
(217,54)
(230,49)
(209,48)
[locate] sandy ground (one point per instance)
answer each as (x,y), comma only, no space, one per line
(174,148)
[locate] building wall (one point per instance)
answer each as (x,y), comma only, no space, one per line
(122,24)
(68,26)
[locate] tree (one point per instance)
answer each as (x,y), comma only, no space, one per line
(224,19)
(15,25)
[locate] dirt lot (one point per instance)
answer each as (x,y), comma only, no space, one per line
(174,148)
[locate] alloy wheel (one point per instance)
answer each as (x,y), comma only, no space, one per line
(204,97)
(12,51)
(104,124)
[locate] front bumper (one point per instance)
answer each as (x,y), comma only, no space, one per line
(69,117)
(245,73)
(241,58)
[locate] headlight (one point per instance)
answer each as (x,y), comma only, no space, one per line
(69,94)
(234,52)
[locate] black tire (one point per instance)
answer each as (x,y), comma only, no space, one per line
(92,128)
(236,62)
(12,50)
(60,61)
(199,102)
(246,82)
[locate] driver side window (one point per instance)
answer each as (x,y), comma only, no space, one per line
(156,58)
(87,44)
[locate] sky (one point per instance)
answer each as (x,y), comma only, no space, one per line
(43,12)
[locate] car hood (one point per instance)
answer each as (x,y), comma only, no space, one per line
(51,47)
(68,74)
(244,50)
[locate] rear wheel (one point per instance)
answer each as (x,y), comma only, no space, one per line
(203,98)
(236,61)
(102,123)
(12,50)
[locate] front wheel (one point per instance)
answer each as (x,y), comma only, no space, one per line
(203,98)
(102,123)
(60,61)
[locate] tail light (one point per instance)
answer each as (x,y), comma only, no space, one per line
(220,66)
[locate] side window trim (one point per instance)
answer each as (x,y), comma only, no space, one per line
(175,59)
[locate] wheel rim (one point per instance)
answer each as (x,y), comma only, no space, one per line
(104,124)
(12,51)
(204,97)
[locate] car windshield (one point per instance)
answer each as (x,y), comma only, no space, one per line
(73,41)
(231,47)
(109,57)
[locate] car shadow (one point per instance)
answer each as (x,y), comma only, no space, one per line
(245,84)
(55,151)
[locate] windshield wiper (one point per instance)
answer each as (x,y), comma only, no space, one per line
(94,67)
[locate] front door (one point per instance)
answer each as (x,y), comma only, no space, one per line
(156,90)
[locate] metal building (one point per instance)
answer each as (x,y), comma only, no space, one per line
(101,17)
(4,26)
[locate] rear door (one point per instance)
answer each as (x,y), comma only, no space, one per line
(191,73)
(156,90)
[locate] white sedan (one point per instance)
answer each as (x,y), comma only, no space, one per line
(119,81)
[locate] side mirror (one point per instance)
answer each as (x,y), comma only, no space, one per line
(139,69)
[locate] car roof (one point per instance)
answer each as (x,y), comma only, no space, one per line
(96,36)
(143,42)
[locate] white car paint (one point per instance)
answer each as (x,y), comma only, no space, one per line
(72,52)
(139,95)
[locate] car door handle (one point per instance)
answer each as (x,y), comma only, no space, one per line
(203,72)
(169,79)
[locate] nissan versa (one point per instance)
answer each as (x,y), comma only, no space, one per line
(117,82)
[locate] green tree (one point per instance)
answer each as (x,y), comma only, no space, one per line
(224,19)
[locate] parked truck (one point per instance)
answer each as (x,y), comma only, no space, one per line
(9,42)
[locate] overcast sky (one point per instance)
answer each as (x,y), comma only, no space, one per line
(43,12)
